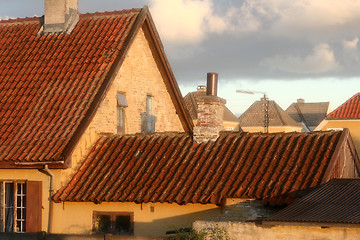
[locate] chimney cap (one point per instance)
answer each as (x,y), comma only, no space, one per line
(300,100)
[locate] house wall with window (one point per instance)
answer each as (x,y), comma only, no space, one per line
(149,219)
(19,198)
(140,77)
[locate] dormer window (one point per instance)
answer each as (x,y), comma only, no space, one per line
(121,105)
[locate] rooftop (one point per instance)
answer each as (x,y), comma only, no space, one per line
(171,167)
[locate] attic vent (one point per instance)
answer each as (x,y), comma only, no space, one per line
(61,16)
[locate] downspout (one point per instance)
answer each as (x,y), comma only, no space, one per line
(51,174)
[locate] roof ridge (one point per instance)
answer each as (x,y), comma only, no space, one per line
(110,13)
(24,20)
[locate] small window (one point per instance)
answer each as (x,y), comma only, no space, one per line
(150,118)
(13,205)
(121,105)
(120,223)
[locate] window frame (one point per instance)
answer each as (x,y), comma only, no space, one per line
(113,216)
(121,104)
(33,205)
(15,206)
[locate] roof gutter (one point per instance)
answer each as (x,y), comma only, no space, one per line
(37,163)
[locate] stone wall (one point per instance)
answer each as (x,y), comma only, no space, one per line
(210,118)
(251,231)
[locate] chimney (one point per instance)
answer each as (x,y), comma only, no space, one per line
(212,81)
(210,113)
(301,100)
(61,16)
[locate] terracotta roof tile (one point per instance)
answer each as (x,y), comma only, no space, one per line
(172,167)
(348,110)
(48,82)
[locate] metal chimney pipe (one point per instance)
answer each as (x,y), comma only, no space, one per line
(212,82)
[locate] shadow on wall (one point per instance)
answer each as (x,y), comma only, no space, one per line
(239,212)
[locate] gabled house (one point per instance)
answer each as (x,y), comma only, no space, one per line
(230,121)
(267,116)
(309,114)
(65,78)
(166,181)
(346,115)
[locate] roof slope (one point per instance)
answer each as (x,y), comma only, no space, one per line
(311,114)
(337,201)
(51,85)
(172,167)
(348,110)
(190,101)
(254,116)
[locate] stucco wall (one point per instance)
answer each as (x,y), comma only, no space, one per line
(251,231)
(154,219)
(31,175)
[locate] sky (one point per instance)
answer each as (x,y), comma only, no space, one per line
(287,49)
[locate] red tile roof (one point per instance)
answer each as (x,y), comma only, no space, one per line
(173,168)
(51,85)
(348,110)
(337,201)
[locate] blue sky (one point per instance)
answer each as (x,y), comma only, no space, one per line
(288,49)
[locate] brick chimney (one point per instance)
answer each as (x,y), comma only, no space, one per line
(210,112)
(61,16)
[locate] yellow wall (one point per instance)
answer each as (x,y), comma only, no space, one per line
(164,217)
(272,129)
(352,125)
(31,175)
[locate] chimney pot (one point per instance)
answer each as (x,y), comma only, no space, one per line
(212,82)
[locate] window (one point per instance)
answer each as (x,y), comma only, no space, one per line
(114,222)
(20,213)
(150,118)
(121,105)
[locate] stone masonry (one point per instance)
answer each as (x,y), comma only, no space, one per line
(210,118)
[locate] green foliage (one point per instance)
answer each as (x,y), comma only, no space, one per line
(212,233)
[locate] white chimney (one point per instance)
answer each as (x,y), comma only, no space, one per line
(61,16)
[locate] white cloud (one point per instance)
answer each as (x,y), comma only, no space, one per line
(186,21)
(321,60)
(190,21)
(351,44)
